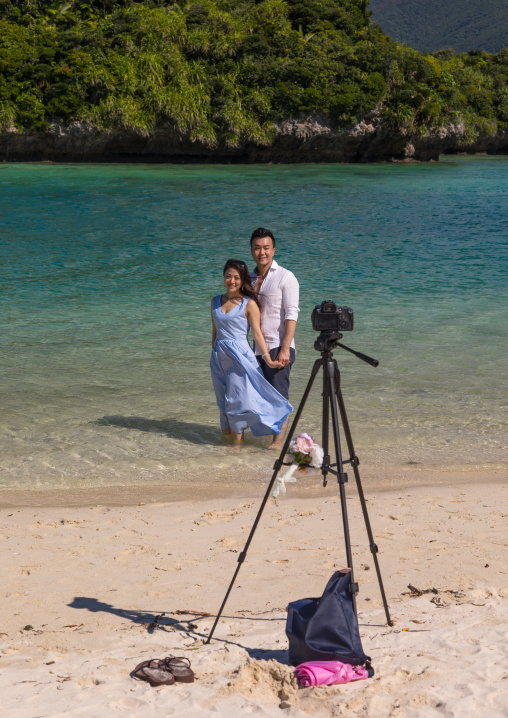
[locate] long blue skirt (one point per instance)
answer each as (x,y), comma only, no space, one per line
(244,397)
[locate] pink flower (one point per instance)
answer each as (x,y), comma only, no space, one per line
(304,443)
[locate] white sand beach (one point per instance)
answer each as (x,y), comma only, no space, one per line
(90,591)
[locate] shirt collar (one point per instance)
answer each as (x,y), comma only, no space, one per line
(273,266)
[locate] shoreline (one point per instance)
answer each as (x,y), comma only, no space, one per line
(156,159)
(374,479)
(297,141)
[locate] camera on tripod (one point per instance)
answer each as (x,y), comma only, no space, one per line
(328,317)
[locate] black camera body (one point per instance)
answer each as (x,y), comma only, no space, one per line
(328,317)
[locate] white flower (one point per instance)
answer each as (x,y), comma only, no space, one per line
(317,455)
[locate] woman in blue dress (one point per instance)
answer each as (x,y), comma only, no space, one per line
(244,397)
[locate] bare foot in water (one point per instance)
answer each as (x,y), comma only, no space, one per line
(232,438)
(278,439)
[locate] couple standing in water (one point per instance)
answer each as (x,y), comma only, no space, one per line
(252,386)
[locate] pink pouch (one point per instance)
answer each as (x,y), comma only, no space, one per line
(328,673)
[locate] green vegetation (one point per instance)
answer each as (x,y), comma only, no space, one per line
(430,25)
(224,71)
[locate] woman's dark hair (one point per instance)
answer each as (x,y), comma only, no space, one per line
(261,233)
(246,290)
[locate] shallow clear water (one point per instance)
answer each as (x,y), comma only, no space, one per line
(106,276)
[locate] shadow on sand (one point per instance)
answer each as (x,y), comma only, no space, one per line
(155,621)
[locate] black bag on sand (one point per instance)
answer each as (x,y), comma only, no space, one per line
(326,629)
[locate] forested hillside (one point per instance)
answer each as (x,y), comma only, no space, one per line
(431,25)
(227,71)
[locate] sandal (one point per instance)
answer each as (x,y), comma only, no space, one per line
(165,671)
(180,668)
(154,672)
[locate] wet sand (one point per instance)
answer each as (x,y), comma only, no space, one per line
(384,478)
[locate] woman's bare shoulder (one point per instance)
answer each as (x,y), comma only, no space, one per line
(252,306)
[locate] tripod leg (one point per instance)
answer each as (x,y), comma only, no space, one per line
(332,372)
(277,467)
(354,463)
(325,428)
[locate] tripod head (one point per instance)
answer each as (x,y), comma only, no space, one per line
(328,340)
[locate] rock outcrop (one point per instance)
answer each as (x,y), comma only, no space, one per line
(296,141)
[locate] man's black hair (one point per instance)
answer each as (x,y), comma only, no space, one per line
(261,233)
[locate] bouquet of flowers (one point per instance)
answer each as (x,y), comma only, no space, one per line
(303,452)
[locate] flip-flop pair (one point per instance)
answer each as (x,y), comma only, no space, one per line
(164,671)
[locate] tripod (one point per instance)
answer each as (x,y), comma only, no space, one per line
(332,398)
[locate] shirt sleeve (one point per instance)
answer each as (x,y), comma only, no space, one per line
(290,297)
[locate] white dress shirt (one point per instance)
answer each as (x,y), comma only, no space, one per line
(278,301)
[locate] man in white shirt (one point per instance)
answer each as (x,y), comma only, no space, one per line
(278,294)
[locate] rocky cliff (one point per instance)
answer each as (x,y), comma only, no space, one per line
(296,141)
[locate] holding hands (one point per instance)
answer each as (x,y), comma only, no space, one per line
(284,357)
(273,364)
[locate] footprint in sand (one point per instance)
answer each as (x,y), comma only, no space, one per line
(122,533)
(128,703)
(217,516)
(40,524)
(89,681)
(133,551)
(227,542)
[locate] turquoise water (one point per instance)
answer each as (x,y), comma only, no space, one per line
(108,270)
